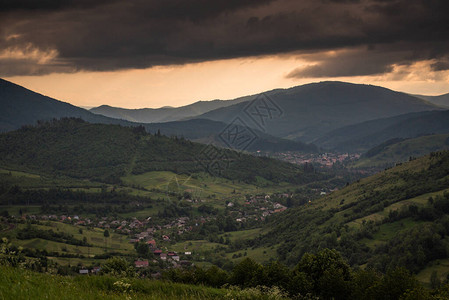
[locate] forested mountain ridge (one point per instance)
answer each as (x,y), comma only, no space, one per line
(311,110)
(100,152)
(366,135)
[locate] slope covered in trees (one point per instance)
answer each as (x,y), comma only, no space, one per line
(104,153)
(398,217)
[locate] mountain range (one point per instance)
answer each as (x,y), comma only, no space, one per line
(311,110)
(163,114)
(332,115)
(20,106)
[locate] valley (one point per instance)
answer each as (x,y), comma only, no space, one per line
(103,197)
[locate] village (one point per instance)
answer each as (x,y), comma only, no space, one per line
(322,159)
(160,235)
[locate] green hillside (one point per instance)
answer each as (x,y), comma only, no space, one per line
(366,135)
(105,153)
(398,217)
(400,150)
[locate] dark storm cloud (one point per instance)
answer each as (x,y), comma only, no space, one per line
(111,35)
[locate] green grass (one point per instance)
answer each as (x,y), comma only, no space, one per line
(389,230)
(243,234)
(16,283)
(22,284)
(441,266)
(200,186)
(193,246)
(114,243)
(261,255)
(19,174)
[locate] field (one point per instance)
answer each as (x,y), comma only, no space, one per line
(261,255)
(202,248)
(99,244)
(441,266)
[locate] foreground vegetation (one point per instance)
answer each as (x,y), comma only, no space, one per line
(16,283)
(324,275)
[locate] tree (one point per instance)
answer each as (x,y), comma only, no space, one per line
(106,235)
(364,283)
(247,273)
(142,249)
(277,275)
(329,274)
(395,283)
(118,266)
(435,281)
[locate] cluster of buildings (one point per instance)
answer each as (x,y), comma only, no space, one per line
(323,159)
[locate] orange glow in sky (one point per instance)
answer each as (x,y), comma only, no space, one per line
(221,79)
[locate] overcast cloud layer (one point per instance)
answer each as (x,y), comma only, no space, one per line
(337,37)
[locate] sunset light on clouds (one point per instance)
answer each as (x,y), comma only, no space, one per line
(153,54)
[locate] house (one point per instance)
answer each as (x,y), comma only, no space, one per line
(171,253)
(175,257)
(141,263)
(165,237)
(95,270)
(188,253)
(163,256)
(84,271)
(157,252)
(152,243)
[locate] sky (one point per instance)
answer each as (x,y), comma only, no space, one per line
(152,53)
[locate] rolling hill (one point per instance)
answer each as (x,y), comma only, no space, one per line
(400,150)
(163,114)
(105,153)
(398,217)
(307,112)
(441,100)
(364,136)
